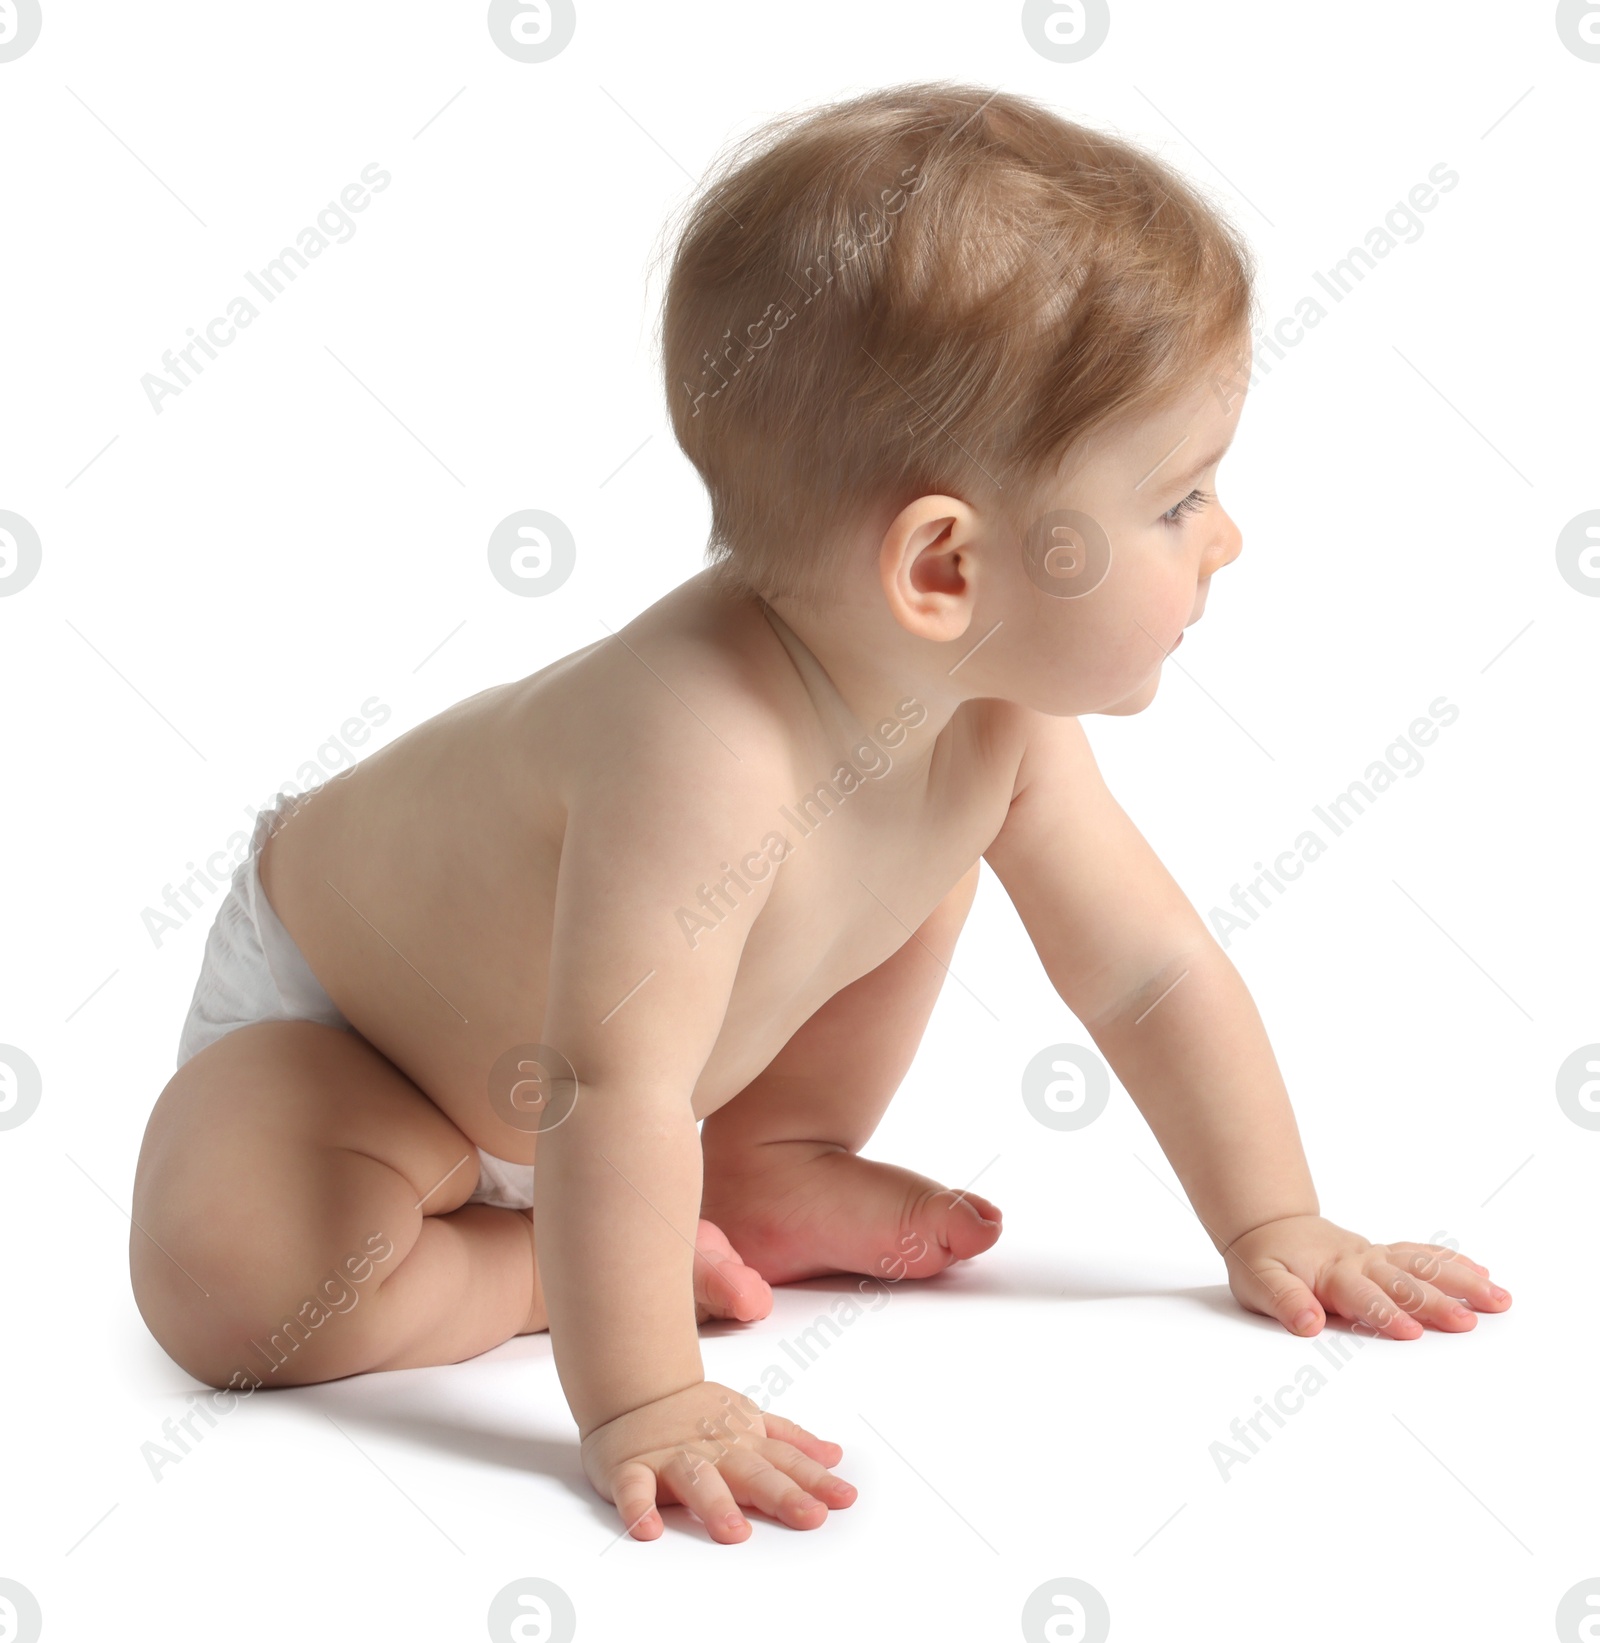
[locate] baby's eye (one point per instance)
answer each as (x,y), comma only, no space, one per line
(1192,503)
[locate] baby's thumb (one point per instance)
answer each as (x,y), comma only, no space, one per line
(1289,1301)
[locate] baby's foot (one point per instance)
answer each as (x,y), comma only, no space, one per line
(724,1287)
(838,1212)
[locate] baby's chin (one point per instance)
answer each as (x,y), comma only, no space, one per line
(1070,701)
(1135,701)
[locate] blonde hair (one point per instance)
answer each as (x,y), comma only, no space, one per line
(930,288)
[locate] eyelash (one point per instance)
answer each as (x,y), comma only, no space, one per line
(1192,503)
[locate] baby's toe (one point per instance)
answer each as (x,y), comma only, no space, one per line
(724,1287)
(957,1226)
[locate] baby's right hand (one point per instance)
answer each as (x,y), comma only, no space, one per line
(709,1447)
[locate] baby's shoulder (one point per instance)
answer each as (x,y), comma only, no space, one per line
(664,713)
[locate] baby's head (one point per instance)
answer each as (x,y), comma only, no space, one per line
(947,360)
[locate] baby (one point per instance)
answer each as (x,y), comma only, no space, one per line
(958,375)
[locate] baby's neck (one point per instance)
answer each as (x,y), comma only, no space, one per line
(855,681)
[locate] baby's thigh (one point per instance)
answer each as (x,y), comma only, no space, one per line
(283,1174)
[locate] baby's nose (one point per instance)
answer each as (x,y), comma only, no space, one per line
(1229,544)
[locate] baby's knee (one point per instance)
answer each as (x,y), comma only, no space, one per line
(199,1325)
(249,1326)
(244,1283)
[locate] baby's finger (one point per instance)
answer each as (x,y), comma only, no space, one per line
(780,1426)
(1278,1293)
(704,1490)
(1295,1307)
(1427,1259)
(818,1480)
(1420,1299)
(1456,1276)
(757,1482)
(1354,1296)
(634,1491)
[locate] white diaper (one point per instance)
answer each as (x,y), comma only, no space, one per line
(253,971)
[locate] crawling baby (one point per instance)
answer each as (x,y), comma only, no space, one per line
(957,375)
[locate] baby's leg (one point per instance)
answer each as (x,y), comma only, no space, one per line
(782,1175)
(300,1214)
(281,1153)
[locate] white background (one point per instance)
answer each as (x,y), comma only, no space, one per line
(304,528)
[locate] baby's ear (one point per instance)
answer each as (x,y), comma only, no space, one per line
(926,567)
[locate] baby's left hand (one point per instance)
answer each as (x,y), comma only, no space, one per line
(1299,1269)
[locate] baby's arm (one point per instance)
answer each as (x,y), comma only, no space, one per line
(636,1012)
(1133,960)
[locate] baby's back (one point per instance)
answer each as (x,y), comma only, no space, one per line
(422,885)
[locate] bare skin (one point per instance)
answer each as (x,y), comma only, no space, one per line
(585,859)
